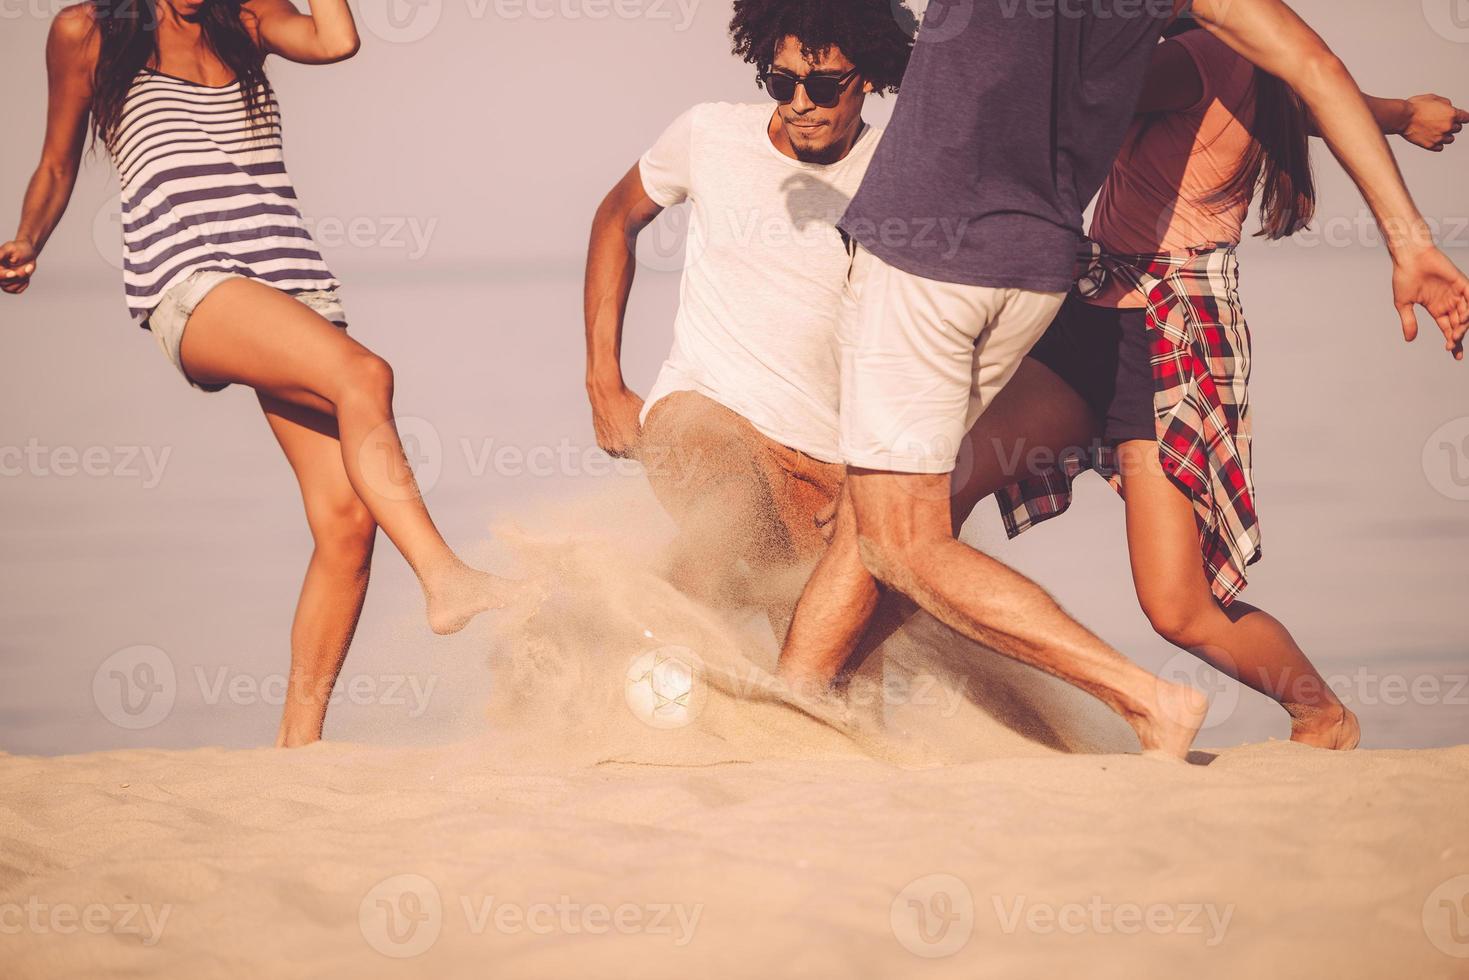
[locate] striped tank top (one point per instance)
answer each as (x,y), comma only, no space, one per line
(204,188)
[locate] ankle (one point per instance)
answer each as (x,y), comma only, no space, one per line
(1322,714)
(295,739)
(1141,701)
(441,575)
(294,733)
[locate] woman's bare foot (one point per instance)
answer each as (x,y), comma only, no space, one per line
(1332,727)
(1169,725)
(458,594)
(291,737)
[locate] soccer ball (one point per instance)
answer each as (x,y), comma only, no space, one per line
(665,687)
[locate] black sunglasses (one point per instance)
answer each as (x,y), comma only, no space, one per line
(823,90)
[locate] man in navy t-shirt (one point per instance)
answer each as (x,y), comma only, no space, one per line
(962,241)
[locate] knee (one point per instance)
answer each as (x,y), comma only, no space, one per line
(889,558)
(894,547)
(344,532)
(1181,620)
(368,376)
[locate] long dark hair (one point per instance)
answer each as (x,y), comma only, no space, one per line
(129,40)
(1278,161)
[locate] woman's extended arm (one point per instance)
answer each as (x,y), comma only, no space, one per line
(71,54)
(1173,84)
(326,35)
(1429,121)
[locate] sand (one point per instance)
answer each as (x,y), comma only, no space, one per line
(1270,861)
(964,817)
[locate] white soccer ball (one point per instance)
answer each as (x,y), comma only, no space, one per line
(665,687)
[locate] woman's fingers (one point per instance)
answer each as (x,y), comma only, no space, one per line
(1409,317)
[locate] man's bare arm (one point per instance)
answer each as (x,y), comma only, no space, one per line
(611,264)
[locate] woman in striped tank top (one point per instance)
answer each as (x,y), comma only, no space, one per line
(218,264)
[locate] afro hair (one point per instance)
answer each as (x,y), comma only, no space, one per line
(876,35)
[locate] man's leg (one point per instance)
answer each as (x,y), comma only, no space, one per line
(1036,412)
(705,465)
(905,538)
(921,361)
(834,612)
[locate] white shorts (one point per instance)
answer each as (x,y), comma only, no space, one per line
(176,305)
(922,360)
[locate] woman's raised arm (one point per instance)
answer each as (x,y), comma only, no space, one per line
(326,35)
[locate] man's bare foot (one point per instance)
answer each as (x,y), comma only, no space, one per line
(1333,727)
(459,594)
(1169,725)
(802,685)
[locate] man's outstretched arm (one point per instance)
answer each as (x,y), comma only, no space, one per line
(1272,36)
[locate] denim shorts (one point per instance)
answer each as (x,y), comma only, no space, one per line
(168,319)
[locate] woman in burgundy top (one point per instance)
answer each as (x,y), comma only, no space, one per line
(1144,375)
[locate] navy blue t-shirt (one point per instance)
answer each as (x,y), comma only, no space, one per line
(1009,118)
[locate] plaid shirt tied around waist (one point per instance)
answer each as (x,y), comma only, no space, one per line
(1201,371)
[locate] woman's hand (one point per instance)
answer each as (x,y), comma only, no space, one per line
(17,265)
(1432,122)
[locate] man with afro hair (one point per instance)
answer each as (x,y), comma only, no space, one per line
(739,432)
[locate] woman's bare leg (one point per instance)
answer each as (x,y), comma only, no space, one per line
(336,579)
(1036,417)
(1241,641)
(247,333)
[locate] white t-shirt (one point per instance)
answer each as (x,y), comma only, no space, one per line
(764,271)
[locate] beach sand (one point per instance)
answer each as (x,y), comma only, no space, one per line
(959,816)
(1271,860)
(550,833)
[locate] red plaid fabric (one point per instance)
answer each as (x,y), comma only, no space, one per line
(1201,370)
